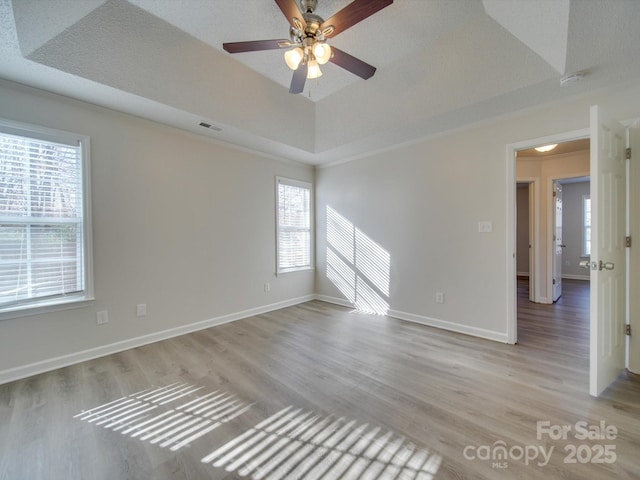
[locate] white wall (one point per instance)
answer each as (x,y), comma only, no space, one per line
(422,203)
(180,223)
(186,225)
(572,194)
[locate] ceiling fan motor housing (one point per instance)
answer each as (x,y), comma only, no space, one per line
(313,24)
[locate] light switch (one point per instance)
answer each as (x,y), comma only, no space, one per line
(485,226)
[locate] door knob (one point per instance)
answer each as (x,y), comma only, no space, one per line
(585,264)
(606,265)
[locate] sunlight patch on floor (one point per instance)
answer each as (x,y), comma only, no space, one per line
(167,416)
(296,444)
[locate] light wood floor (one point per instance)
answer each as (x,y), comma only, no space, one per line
(318,391)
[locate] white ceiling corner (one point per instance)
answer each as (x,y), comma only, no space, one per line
(39,21)
(542,25)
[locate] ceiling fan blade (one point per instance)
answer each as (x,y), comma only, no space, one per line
(290,10)
(252,46)
(353,13)
(299,77)
(351,63)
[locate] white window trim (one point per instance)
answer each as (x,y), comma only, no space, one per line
(301,184)
(584,253)
(69,301)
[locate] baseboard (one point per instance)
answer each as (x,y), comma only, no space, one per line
(450,326)
(431,322)
(24,371)
(570,276)
(336,301)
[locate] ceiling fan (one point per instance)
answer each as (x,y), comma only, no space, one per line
(308,34)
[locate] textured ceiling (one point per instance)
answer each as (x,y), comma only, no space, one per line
(441,64)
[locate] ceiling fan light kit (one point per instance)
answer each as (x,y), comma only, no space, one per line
(293,57)
(308,34)
(309,50)
(313,70)
(322,52)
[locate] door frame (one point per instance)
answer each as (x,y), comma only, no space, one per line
(511,180)
(551,249)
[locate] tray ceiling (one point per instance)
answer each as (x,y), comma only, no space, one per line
(441,64)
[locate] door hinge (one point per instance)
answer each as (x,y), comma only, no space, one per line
(554,281)
(627,330)
(554,193)
(628,153)
(627,241)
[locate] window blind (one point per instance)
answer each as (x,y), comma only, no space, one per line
(294,225)
(41,220)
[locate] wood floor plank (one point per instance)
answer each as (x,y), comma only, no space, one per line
(324,392)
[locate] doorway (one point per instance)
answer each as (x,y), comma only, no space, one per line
(570,245)
(544,255)
(537,247)
(609,305)
(550,245)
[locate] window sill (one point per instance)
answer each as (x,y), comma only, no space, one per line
(50,306)
(294,270)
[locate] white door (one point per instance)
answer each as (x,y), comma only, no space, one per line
(557,241)
(608,183)
(634,251)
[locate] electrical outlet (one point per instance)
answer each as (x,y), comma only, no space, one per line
(102,317)
(141,310)
(439,297)
(267,287)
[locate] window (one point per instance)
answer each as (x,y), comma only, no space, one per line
(586,225)
(44,224)
(294,225)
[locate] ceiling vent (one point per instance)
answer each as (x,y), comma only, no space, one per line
(210,127)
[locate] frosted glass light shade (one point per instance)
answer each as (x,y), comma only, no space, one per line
(313,70)
(322,52)
(293,57)
(546,148)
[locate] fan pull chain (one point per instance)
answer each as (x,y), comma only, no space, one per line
(317,84)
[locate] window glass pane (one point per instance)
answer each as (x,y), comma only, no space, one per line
(294,225)
(41,219)
(294,206)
